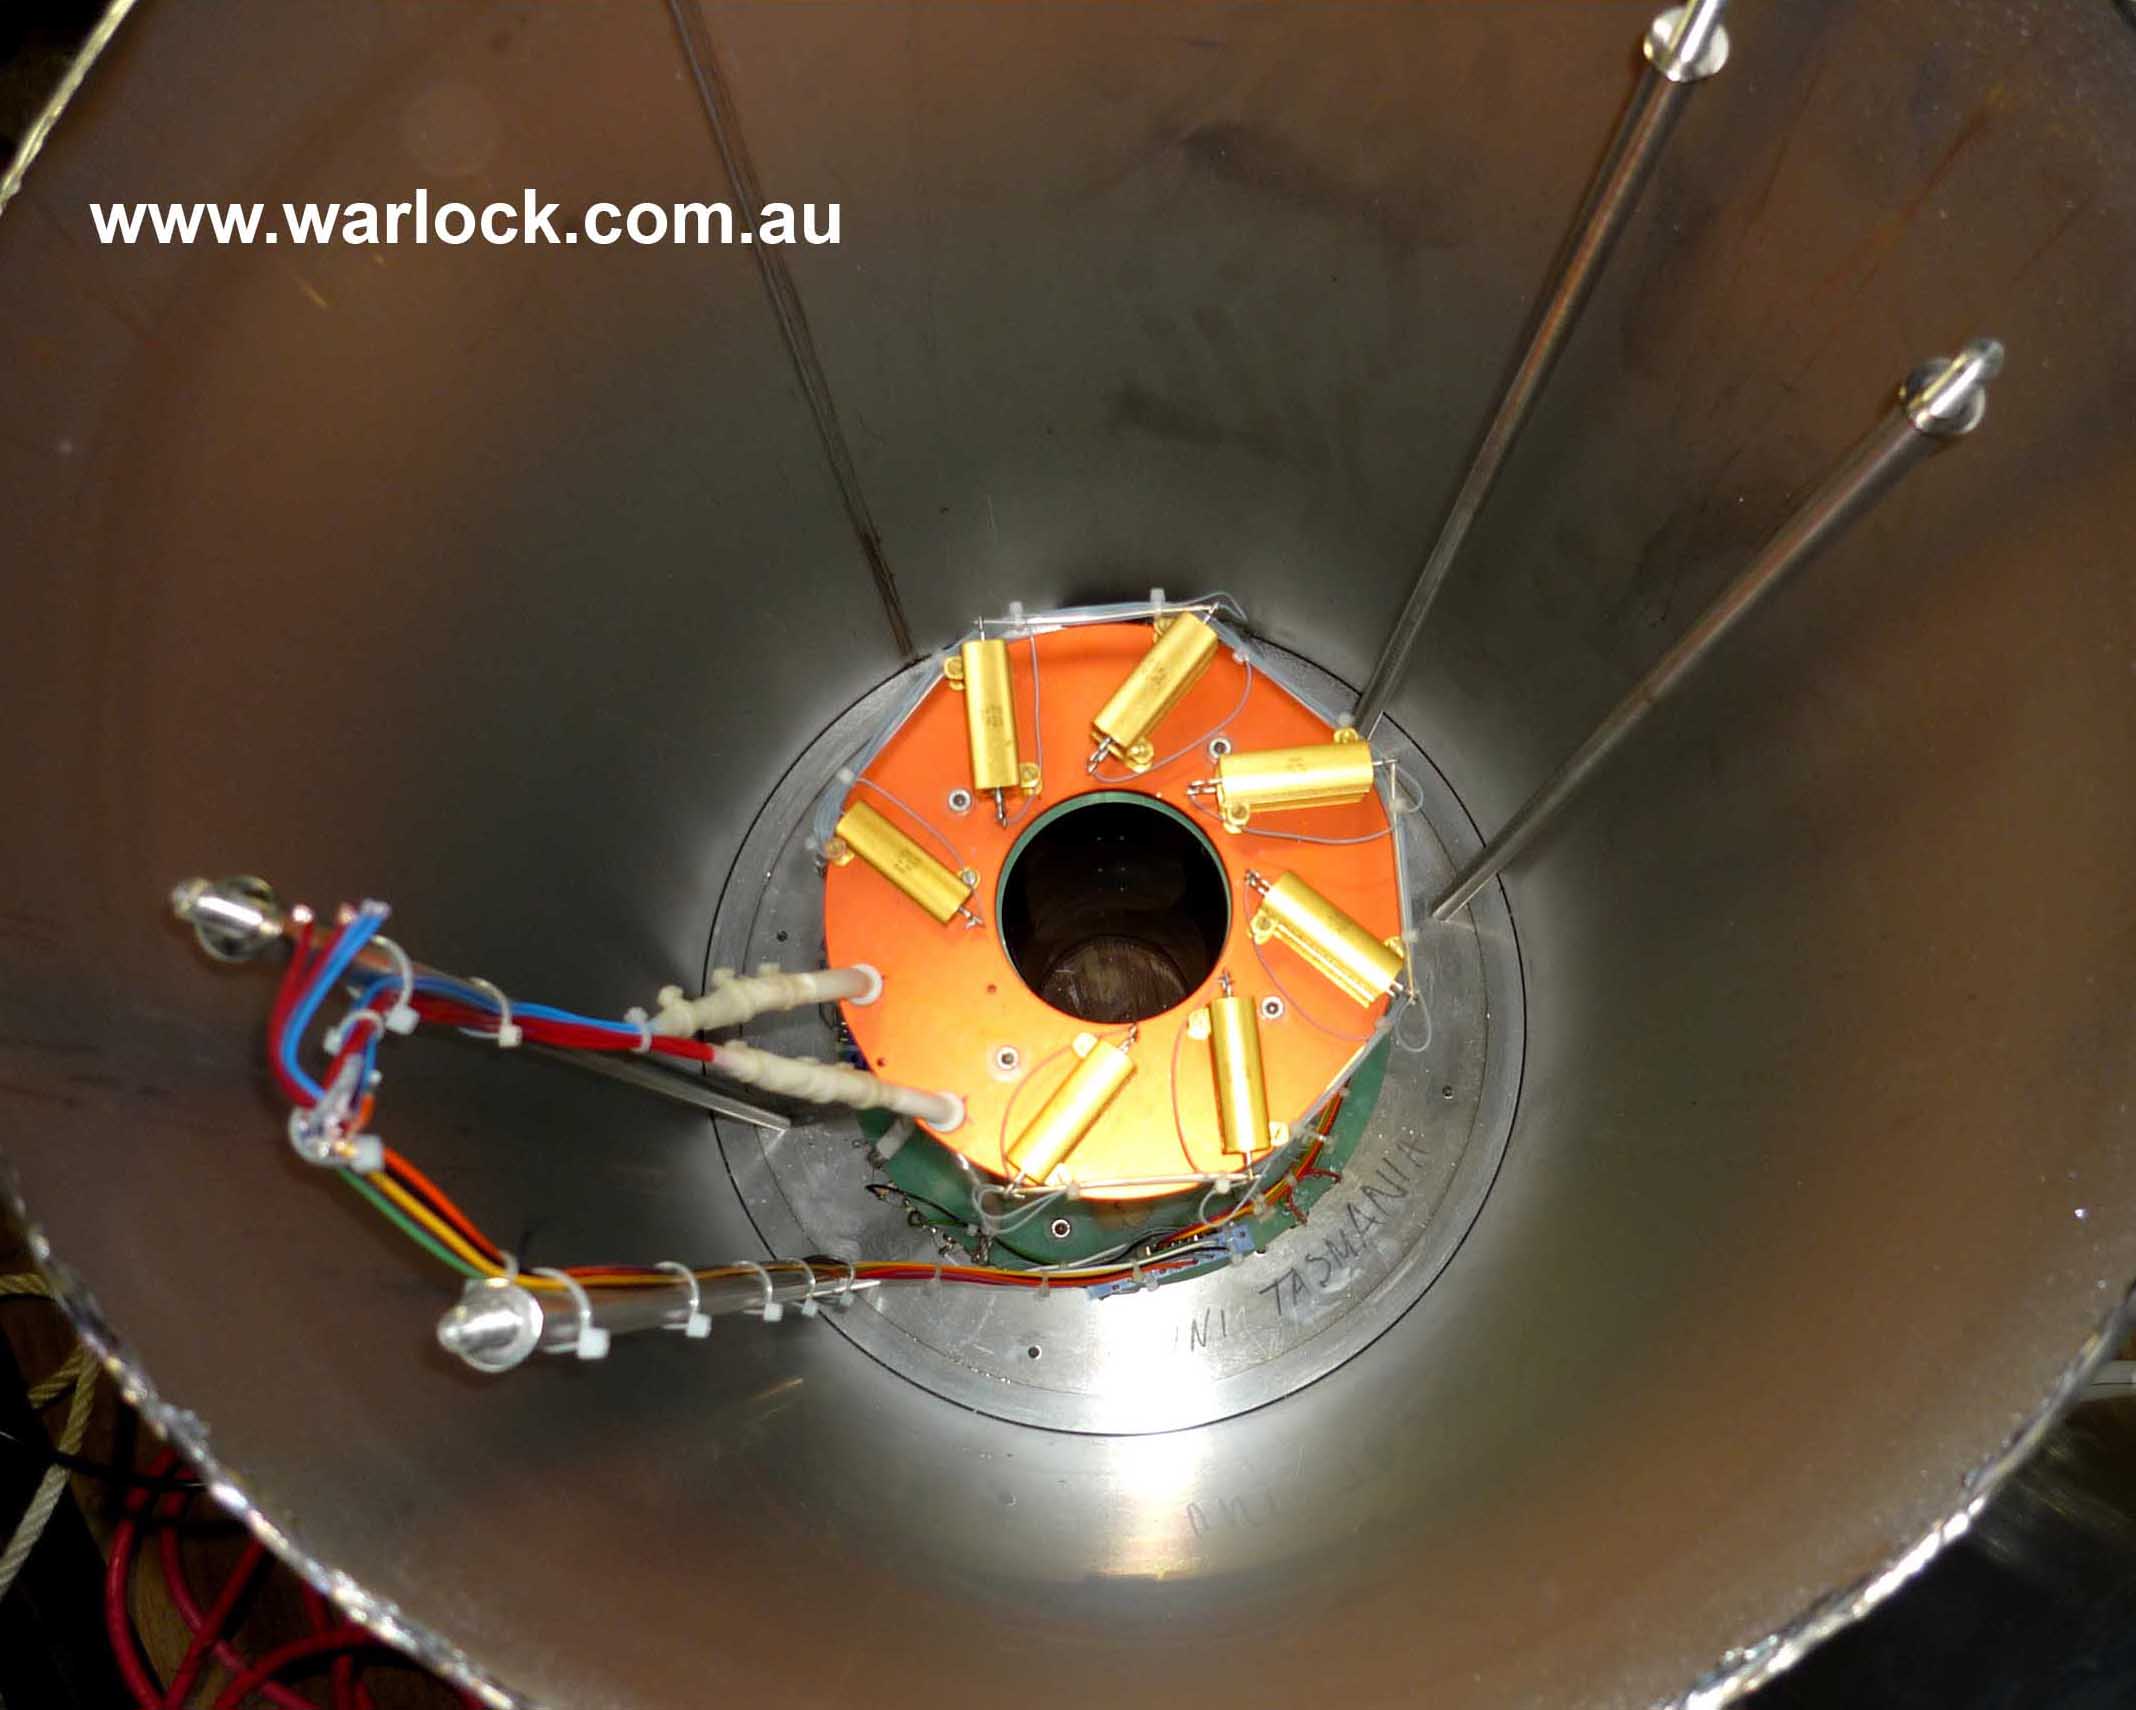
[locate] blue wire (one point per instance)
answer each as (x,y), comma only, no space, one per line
(442,986)
(353,938)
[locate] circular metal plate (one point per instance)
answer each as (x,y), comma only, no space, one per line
(937,971)
(1217,1344)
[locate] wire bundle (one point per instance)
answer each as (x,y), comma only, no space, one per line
(339,1105)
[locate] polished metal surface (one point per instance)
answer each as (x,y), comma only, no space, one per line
(1238,1337)
(1682,47)
(1938,402)
(1828,983)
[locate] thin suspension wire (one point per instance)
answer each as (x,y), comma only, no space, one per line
(955,854)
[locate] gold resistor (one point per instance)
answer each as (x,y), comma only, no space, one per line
(864,832)
(1073,1110)
(979,670)
(1233,1029)
(1294,913)
(1323,774)
(1174,664)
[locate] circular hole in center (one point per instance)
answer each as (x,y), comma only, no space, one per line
(1114,907)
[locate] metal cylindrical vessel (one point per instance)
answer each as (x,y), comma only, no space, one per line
(554,557)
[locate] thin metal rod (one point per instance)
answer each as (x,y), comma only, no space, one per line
(1939,402)
(1683,46)
(668,1084)
(717,100)
(33,140)
(622,1311)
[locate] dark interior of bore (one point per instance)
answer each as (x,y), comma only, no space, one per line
(1115,911)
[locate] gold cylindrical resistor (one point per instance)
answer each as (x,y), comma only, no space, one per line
(1322,774)
(1073,1110)
(1293,913)
(864,832)
(980,671)
(1233,1028)
(1183,650)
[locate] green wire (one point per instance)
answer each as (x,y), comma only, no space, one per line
(420,1237)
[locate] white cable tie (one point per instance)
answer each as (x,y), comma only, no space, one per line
(696,1324)
(366,1154)
(506,1035)
(401,1018)
(341,1032)
(592,1343)
(771,1311)
(644,1024)
(806,1305)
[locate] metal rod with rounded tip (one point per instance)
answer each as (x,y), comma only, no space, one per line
(498,1323)
(1940,401)
(1682,46)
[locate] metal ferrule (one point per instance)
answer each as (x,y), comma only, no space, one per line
(1324,774)
(1073,1110)
(1686,44)
(980,669)
(1183,650)
(1241,1091)
(1293,913)
(864,832)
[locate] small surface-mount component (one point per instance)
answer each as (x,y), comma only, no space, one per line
(979,670)
(1174,664)
(1293,913)
(1075,1106)
(1232,1026)
(864,832)
(1325,774)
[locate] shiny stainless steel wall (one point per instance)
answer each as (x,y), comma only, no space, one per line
(503,584)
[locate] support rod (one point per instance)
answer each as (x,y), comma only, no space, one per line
(1940,401)
(497,1323)
(1683,46)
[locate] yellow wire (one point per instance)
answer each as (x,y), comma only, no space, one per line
(443,1231)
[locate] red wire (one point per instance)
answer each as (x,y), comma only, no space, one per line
(209,1633)
(294,976)
(344,1674)
(118,1575)
(440,1202)
(335,1641)
(180,1585)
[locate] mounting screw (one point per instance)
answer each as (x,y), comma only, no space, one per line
(1060,1228)
(1219,746)
(960,801)
(1271,1008)
(1003,1062)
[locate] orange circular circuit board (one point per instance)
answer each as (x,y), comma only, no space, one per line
(954,1011)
